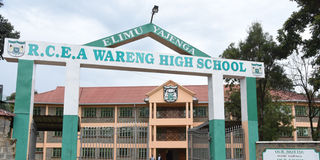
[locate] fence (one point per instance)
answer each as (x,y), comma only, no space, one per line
(198,144)
(124,142)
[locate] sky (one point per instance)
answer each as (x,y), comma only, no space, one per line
(209,25)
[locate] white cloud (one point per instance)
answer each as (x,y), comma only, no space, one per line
(207,25)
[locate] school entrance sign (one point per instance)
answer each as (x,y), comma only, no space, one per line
(97,55)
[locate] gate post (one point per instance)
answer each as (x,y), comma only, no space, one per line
(249,116)
(23,107)
(216,117)
(70,111)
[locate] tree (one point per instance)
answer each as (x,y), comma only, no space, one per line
(6,31)
(300,34)
(13,96)
(307,19)
(259,46)
(306,82)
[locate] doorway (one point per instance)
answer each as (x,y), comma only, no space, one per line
(172,154)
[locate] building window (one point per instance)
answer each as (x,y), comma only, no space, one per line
(58,133)
(89,132)
(302,132)
(125,132)
(56,153)
(59,111)
(106,132)
(286,134)
(125,112)
(107,112)
(142,153)
(88,152)
(200,112)
(143,132)
(106,153)
(300,110)
(237,153)
(89,112)
(144,112)
(39,150)
(123,152)
(36,111)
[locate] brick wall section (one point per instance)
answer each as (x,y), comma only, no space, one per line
(7,145)
(262,146)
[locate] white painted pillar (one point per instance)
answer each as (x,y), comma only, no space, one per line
(216,117)
(70,111)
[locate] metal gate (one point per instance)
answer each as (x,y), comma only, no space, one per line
(198,143)
(120,142)
(235,143)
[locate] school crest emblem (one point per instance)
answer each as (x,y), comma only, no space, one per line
(256,69)
(16,48)
(170,93)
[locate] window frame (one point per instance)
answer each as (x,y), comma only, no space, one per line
(123,152)
(299,111)
(144,112)
(88,153)
(59,111)
(56,153)
(125,112)
(37,111)
(105,153)
(107,112)
(200,112)
(125,132)
(58,133)
(89,112)
(303,130)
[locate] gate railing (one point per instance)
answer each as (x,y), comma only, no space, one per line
(235,143)
(198,144)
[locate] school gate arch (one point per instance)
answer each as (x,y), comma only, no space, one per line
(192,61)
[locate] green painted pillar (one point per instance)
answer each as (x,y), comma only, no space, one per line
(70,111)
(23,107)
(216,117)
(249,115)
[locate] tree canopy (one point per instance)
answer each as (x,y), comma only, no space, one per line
(300,35)
(260,46)
(6,31)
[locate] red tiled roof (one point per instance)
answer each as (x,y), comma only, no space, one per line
(134,94)
(6,113)
(288,96)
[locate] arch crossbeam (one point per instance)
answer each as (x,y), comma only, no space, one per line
(148,30)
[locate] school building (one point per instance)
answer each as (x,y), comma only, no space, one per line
(136,122)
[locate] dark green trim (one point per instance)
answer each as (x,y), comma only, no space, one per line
(147,30)
(20,133)
(252,116)
(69,137)
(217,139)
(253,138)
(252,99)
(22,107)
(24,86)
